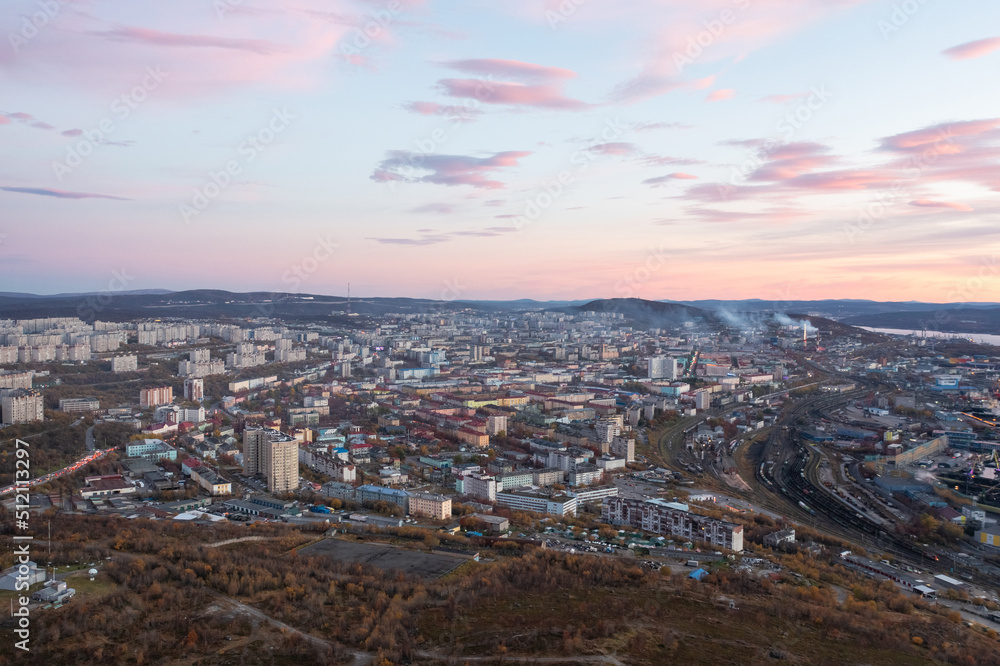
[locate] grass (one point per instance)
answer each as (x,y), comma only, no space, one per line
(86,588)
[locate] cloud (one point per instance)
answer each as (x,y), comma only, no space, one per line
(288,47)
(60,194)
(525,84)
(438,208)
(660,180)
(720,95)
(976,49)
(648,126)
(446,169)
(512,69)
(25,119)
(72,132)
(457,113)
(614,148)
(680,39)
(942,134)
(426,240)
(653,160)
(493,202)
(927,203)
(430,237)
(170,39)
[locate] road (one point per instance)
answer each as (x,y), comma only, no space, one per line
(90,457)
(90,438)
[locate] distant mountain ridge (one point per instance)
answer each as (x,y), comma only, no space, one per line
(219,303)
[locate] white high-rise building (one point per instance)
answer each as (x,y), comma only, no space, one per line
(21,406)
(127,363)
(662,367)
(194,389)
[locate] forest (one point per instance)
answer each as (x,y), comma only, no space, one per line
(168,594)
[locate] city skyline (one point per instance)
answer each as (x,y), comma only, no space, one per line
(554,151)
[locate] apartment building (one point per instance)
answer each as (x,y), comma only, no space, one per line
(154,397)
(21,406)
(274,455)
(658,517)
(433,506)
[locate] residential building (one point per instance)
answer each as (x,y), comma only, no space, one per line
(371,493)
(194,389)
(655,516)
(127,363)
(480,486)
(274,455)
(437,507)
(21,406)
(496,424)
(624,447)
(154,397)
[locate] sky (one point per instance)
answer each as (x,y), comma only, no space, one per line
(548,149)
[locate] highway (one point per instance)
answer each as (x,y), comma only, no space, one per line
(69,469)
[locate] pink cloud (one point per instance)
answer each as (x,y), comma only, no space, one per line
(286,47)
(526,84)
(660,180)
(72,132)
(614,148)
(514,94)
(720,95)
(511,69)
(4,120)
(168,39)
(927,203)
(59,194)
(943,135)
(976,49)
(436,208)
(647,127)
(454,113)
(679,39)
(446,169)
